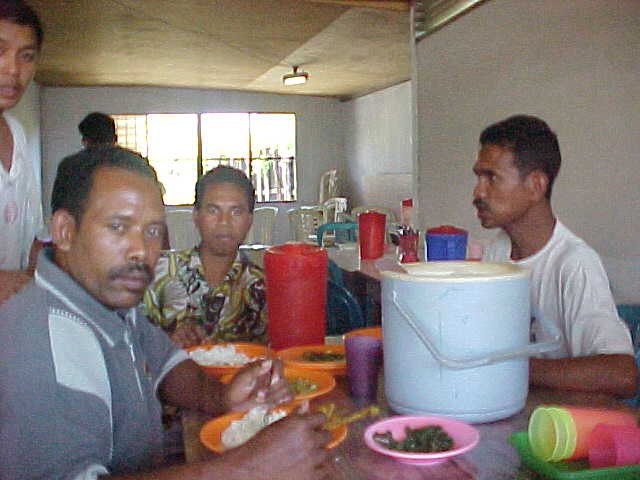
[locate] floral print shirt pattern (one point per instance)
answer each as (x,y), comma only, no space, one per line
(234,310)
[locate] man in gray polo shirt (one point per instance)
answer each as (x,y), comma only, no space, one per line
(82,372)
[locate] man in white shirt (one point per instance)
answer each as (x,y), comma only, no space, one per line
(20,196)
(518,161)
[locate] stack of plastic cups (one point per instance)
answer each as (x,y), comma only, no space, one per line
(563,432)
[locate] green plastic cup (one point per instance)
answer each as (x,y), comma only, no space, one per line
(542,434)
(552,433)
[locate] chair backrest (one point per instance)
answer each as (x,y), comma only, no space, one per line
(303,223)
(630,313)
(263,226)
(328,186)
(343,312)
(333,207)
(182,231)
(350,229)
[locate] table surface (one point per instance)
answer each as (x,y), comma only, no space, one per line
(493,458)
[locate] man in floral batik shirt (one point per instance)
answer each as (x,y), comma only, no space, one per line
(207,293)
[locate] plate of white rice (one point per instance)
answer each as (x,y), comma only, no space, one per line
(224,358)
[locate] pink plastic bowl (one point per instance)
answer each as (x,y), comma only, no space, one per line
(465,437)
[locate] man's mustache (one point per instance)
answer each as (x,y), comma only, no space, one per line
(132,268)
(479,203)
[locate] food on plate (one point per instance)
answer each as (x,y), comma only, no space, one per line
(334,419)
(219,355)
(301,386)
(323,356)
(242,430)
(431,438)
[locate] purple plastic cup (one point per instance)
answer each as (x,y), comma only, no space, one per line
(614,445)
(364,354)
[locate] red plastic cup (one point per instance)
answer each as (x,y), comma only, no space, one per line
(585,419)
(371,234)
(296,290)
(363,354)
(614,445)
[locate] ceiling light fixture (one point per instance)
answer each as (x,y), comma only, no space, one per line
(295,78)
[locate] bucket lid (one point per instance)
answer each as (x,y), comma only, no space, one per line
(458,271)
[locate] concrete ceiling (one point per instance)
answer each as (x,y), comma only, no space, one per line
(247,45)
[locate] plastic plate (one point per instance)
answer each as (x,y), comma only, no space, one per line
(464,436)
(252,350)
(211,432)
(292,357)
(324,382)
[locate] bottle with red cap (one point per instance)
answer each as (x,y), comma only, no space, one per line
(406,213)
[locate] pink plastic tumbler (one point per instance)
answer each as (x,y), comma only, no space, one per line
(614,445)
(371,234)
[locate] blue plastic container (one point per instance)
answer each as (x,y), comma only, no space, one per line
(446,243)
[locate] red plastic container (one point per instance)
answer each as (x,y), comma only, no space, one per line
(371,234)
(296,287)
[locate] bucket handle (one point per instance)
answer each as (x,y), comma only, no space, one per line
(499,356)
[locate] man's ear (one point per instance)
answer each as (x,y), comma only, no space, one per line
(63,229)
(538,182)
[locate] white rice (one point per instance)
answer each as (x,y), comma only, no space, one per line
(241,430)
(219,355)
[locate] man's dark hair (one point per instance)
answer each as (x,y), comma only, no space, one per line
(18,12)
(98,128)
(533,143)
(74,178)
(225,174)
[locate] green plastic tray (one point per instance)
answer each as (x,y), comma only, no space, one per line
(574,469)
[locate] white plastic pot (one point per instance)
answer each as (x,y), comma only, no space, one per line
(456,339)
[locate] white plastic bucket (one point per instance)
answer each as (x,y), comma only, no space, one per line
(456,339)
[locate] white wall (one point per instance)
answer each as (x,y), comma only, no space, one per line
(28,113)
(378,147)
(576,64)
(320,125)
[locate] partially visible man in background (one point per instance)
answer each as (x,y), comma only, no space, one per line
(21,37)
(98,128)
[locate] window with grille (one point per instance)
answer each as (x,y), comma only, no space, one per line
(181,147)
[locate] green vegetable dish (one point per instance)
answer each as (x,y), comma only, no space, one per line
(322,357)
(420,440)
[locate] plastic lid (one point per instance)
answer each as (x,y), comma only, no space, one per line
(452,271)
(407,202)
(446,229)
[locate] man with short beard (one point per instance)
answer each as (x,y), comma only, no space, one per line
(82,371)
(517,164)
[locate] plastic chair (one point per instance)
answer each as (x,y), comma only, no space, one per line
(335,273)
(333,207)
(182,231)
(350,227)
(263,226)
(343,312)
(630,313)
(303,223)
(328,186)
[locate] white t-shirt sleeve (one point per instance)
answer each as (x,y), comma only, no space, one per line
(590,316)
